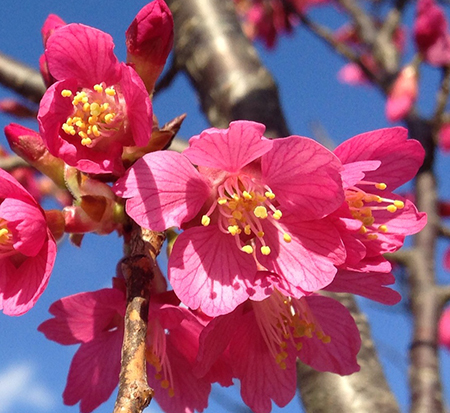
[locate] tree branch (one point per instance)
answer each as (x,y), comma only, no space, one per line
(134,393)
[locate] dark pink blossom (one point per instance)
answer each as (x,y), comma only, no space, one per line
(403,94)
(430,33)
(253,204)
(95,320)
(264,339)
(149,41)
(27,248)
(375,164)
(97,106)
(444,328)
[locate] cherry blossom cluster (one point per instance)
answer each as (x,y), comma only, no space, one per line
(264,228)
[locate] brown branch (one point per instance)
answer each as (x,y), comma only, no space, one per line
(21,78)
(221,64)
(138,269)
(362,392)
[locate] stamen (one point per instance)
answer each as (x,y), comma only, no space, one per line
(248,249)
(205,220)
(265,250)
(66,93)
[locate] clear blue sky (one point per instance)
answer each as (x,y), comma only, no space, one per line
(33,370)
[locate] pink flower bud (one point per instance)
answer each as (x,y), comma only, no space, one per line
(29,145)
(149,41)
(402,95)
(52,23)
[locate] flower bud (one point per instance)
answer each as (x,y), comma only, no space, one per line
(149,41)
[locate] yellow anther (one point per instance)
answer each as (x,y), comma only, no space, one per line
(84,99)
(381,186)
(86,107)
(165,384)
(237,215)
(171,392)
(363,230)
(86,141)
(82,134)
(110,91)
(383,228)
(109,117)
(80,124)
(247,230)
(368,221)
(98,88)
(104,106)
(399,204)
(206,220)
(95,130)
(326,339)
(246,195)
(248,249)
(220,201)
(92,119)
(95,109)
(372,236)
(260,212)
(287,238)
(260,234)
(269,195)
(265,250)
(3,235)
(66,93)
(233,229)
(277,214)
(391,208)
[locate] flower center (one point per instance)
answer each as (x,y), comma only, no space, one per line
(97,113)
(284,319)
(243,204)
(362,204)
(156,356)
(6,238)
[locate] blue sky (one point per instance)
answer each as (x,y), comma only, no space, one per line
(33,370)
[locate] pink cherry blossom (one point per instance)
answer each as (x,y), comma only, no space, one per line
(444,329)
(97,106)
(95,320)
(403,94)
(27,248)
(253,204)
(264,339)
(376,163)
(149,41)
(430,33)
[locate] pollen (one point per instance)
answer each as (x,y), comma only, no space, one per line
(287,237)
(206,220)
(265,250)
(381,186)
(248,249)
(66,93)
(4,236)
(260,212)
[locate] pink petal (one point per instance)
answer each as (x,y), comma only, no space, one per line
(355,172)
(53,112)
(27,223)
(11,188)
(444,328)
(307,262)
(228,149)
(208,271)
(368,284)
(447,259)
(400,158)
(52,22)
(139,107)
(24,288)
(81,52)
(339,355)
(82,317)
(352,74)
(94,372)
(262,379)
(304,176)
(398,107)
(165,190)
